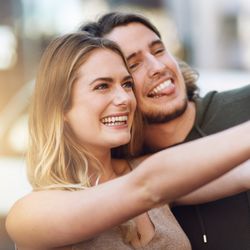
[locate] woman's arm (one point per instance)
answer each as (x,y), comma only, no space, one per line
(49,219)
(235,181)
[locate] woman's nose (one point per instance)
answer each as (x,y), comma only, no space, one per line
(121,97)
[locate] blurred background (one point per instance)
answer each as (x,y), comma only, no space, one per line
(213,36)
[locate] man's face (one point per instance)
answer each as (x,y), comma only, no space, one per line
(159,85)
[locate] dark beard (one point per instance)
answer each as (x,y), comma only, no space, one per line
(163,118)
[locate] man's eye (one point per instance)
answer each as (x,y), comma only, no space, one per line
(159,51)
(101,86)
(128,85)
(133,66)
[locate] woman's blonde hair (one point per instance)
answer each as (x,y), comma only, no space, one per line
(55,158)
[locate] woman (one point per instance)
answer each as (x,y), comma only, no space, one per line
(83,109)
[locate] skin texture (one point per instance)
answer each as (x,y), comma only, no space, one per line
(151,65)
(101,94)
(169,114)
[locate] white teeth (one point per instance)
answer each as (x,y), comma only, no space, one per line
(115,120)
(161,87)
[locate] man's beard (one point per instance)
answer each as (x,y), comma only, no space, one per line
(161,117)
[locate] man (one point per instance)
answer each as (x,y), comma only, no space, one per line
(166,94)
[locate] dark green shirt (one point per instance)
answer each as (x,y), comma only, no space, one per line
(226,222)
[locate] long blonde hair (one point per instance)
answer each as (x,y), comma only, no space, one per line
(55,158)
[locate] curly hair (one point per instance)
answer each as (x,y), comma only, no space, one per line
(111,20)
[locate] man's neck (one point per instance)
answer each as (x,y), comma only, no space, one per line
(160,136)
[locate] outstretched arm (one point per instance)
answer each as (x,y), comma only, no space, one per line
(233,182)
(49,219)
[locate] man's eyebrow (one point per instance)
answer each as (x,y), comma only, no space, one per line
(152,44)
(132,55)
(104,79)
(156,42)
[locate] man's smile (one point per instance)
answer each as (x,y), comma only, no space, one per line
(165,88)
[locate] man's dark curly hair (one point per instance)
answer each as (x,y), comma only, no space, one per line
(109,21)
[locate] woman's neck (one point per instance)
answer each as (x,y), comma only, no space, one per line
(104,158)
(111,168)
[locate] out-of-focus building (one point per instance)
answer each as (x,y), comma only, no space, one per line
(214,33)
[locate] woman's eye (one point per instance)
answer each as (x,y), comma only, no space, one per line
(128,85)
(101,86)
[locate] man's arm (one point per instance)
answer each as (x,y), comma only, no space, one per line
(233,182)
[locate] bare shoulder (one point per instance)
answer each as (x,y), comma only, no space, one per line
(20,208)
(26,206)
(35,196)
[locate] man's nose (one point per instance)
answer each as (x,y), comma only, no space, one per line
(154,66)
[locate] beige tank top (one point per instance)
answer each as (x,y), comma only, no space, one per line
(168,235)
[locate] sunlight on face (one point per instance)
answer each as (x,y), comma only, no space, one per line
(159,85)
(103,102)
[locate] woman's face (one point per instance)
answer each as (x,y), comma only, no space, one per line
(103,102)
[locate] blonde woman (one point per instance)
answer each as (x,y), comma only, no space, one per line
(82,112)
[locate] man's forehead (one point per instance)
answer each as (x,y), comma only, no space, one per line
(133,37)
(139,50)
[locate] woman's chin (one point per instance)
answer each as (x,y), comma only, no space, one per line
(121,141)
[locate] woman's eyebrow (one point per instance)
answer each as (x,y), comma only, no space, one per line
(105,79)
(128,77)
